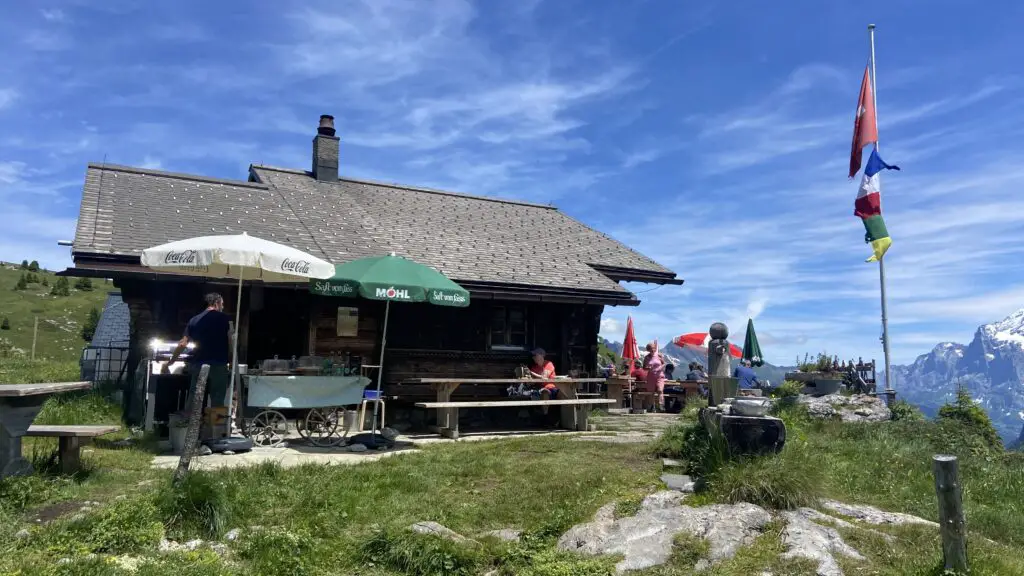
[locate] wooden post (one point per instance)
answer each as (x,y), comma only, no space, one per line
(952,524)
(35,331)
(194,415)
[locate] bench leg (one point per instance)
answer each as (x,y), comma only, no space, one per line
(70,454)
(583,418)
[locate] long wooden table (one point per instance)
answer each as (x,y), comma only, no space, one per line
(443,388)
(19,406)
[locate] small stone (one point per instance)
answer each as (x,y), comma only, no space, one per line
(357,448)
(85,509)
(678,482)
(120,497)
(233,535)
(168,546)
(193,545)
(505,535)
(389,433)
(670,463)
(22,534)
(438,530)
(228,453)
(219,549)
(204,450)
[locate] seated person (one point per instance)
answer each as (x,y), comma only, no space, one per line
(543,369)
(696,373)
(745,373)
(638,372)
(670,370)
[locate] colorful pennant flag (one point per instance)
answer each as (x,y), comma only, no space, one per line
(868,206)
(865,128)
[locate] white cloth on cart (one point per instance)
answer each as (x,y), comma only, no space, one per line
(304,391)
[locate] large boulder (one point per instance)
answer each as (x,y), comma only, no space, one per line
(856,408)
(645,540)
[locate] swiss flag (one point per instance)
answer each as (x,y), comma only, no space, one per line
(865,130)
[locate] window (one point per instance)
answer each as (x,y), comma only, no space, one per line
(508,328)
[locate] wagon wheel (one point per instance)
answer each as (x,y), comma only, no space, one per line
(268,428)
(319,426)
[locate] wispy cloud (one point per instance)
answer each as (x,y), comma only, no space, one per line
(53,15)
(7,97)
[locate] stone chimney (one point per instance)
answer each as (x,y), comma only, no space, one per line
(325,151)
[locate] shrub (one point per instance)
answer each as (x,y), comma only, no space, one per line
(903,410)
(966,412)
(5,324)
(83,284)
(89,327)
(196,507)
(22,283)
(45,281)
(407,552)
(783,481)
(61,287)
(24,264)
(31,278)
(125,526)
(33,266)
(281,553)
(788,389)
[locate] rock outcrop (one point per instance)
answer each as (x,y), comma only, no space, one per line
(856,408)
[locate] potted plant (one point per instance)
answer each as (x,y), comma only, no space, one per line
(821,371)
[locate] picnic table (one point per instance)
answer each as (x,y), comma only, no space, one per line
(448,411)
(19,406)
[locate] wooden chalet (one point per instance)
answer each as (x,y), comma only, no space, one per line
(537,277)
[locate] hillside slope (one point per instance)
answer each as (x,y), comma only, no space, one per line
(60,318)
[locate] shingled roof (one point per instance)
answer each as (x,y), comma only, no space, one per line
(469,238)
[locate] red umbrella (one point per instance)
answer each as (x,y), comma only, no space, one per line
(630,351)
(700,341)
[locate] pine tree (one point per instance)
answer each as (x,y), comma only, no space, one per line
(5,324)
(31,278)
(84,284)
(33,266)
(24,264)
(22,283)
(91,322)
(61,287)
(45,282)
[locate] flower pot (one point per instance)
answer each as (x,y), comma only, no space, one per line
(177,427)
(826,386)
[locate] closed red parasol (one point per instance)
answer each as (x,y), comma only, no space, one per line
(699,340)
(630,351)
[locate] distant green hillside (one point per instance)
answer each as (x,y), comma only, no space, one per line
(60,317)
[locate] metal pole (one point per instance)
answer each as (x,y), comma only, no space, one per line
(881,261)
(35,331)
(380,372)
(234,350)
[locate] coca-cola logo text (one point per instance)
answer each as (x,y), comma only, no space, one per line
(183,257)
(295,266)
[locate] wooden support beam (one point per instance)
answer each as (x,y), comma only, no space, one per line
(952,524)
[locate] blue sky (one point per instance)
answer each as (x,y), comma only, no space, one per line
(712,136)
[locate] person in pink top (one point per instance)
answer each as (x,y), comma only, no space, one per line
(655,366)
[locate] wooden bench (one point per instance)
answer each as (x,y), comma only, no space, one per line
(451,430)
(70,441)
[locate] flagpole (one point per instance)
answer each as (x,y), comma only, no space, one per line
(881,261)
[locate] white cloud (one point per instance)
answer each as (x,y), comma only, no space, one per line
(53,14)
(7,97)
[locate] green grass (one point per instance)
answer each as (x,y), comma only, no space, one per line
(60,318)
(354,519)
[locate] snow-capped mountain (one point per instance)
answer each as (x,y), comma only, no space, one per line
(991,368)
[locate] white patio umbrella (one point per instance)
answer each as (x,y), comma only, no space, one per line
(236,256)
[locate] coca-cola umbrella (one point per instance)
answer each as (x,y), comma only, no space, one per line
(700,340)
(236,256)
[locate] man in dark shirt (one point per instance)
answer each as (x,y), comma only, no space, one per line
(209,332)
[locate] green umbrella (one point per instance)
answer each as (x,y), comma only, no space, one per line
(392,279)
(751,349)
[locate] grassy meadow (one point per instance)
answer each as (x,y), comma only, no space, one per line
(60,317)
